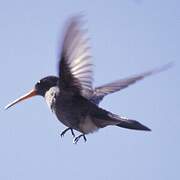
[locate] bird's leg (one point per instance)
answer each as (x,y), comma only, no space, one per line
(72,132)
(76,139)
(64,132)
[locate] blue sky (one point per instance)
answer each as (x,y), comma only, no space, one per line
(127,37)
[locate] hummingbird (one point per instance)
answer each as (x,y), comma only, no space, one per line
(71,95)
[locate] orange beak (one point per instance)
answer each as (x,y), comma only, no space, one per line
(26,96)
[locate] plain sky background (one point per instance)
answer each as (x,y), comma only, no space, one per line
(127,37)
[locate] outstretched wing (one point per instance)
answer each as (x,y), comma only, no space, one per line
(75,66)
(118,85)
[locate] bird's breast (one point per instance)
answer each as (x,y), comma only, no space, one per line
(50,97)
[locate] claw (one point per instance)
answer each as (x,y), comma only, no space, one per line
(76,139)
(72,132)
(64,132)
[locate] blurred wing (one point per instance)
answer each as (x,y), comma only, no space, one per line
(75,66)
(118,85)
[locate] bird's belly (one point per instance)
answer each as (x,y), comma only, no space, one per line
(67,116)
(73,112)
(87,125)
(83,124)
(65,119)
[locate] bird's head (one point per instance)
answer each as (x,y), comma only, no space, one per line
(43,85)
(40,88)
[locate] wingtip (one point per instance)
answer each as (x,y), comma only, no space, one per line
(165,67)
(168,65)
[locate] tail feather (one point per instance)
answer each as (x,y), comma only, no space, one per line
(132,124)
(127,123)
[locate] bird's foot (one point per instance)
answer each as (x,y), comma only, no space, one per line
(76,139)
(64,132)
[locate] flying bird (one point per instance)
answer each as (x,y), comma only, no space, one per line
(71,95)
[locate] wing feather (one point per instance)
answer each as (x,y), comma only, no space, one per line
(118,85)
(75,67)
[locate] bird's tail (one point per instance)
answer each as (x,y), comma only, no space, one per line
(126,123)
